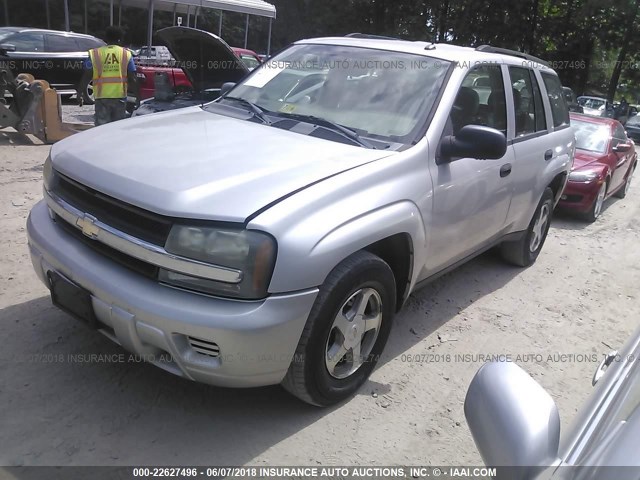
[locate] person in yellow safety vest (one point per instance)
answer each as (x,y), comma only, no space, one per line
(112,70)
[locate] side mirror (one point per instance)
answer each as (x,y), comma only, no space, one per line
(226,88)
(7,47)
(622,148)
(513,420)
(473,141)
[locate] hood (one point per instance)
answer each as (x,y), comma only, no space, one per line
(190,163)
(593,111)
(584,158)
(205,58)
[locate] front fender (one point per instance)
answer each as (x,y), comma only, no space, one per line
(307,262)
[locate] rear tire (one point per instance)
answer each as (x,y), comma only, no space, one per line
(329,367)
(525,251)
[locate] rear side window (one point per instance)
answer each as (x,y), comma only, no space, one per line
(541,117)
(559,109)
(527,102)
(87,43)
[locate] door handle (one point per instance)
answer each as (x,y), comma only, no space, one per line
(548,155)
(505,170)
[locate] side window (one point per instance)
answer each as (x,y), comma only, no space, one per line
(60,43)
(481,100)
(85,44)
(28,42)
(559,109)
(526,106)
(619,132)
(541,117)
(619,136)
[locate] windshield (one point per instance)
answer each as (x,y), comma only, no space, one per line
(378,94)
(250,61)
(595,103)
(4,33)
(635,120)
(592,137)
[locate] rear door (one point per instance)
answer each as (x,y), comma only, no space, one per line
(530,137)
(561,145)
(471,196)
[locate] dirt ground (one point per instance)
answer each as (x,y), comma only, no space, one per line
(580,298)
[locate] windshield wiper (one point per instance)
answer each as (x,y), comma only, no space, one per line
(336,127)
(255,109)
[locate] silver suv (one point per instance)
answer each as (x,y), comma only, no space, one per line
(270,236)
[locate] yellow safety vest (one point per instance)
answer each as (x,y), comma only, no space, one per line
(109,71)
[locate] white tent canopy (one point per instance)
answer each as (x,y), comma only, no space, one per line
(193,7)
(182,7)
(249,7)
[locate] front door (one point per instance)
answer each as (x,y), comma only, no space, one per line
(621,160)
(471,196)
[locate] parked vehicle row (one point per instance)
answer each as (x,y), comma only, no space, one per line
(59,57)
(51,55)
(601,107)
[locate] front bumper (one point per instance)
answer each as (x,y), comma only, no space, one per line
(256,340)
(579,196)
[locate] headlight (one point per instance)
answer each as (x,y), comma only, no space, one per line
(585,177)
(252,253)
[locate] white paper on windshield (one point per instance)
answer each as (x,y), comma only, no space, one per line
(263,75)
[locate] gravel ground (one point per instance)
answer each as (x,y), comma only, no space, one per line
(580,298)
(73,113)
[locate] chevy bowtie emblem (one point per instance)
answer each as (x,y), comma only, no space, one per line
(87,224)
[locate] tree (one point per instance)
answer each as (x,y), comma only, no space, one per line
(629,32)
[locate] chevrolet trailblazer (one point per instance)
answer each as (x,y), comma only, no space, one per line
(380,165)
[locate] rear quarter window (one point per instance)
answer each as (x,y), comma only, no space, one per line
(559,108)
(88,43)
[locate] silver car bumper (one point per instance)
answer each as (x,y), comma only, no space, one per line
(212,340)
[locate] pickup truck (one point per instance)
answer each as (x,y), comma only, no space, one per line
(146,77)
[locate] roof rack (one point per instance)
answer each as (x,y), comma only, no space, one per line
(373,37)
(513,53)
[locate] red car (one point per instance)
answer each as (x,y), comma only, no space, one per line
(177,77)
(604,163)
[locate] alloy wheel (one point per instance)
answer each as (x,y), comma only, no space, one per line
(600,200)
(539,228)
(353,333)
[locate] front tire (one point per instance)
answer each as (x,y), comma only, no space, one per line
(525,251)
(345,333)
(596,209)
(86,92)
(622,192)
